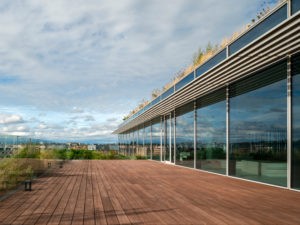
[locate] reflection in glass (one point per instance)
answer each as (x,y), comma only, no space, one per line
(296,122)
(147,141)
(295,6)
(261,28)
(211,136)
(185,136)
(134,142)
(140,142)
(130,143)
(211,63)
(168,152)
(258,139)
(156,136)
(187,79)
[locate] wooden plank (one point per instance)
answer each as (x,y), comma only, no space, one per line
(50,206)
(78,214)
(63,201)
(108,209)
(52,187)
(27,201)
(89,213)
(68,213)
(100,218)
(146,192)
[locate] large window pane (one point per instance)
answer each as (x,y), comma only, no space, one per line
(296,122)
(185,136)
(156,137)
(258,127)
(168,151)
(128,143)
(135,141)
(147,141)
(131,143)
(140,142)
(211,133)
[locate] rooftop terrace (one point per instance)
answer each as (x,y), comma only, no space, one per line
(147,192)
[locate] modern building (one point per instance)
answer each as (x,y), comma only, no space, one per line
(91,147)
(238,114)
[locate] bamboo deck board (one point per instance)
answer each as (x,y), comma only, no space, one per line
(146,192)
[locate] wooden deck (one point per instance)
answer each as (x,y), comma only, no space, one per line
(145,192)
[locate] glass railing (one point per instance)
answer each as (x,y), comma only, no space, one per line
(215,60)
(155,101)
(271,21)
(295,6)
(184,81)
(167,93)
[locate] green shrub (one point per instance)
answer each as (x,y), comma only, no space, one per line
(139,157)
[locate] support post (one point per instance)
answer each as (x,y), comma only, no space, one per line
(161,138)
(289,8)
(227,129)
(174,136)
(195,133)
(289,122)
(151,147)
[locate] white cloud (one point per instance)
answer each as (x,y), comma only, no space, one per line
(101,56)
(10,118)
(77,110)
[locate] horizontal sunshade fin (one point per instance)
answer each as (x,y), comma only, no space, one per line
(217,96)
(156,120)
(147,124)
(260,79)
(185,109)
(296,64)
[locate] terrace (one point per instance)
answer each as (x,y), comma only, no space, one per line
(147,192)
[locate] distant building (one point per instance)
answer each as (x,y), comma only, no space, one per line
(91,147)
(77,146)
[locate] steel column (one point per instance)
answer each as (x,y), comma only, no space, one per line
(289,121)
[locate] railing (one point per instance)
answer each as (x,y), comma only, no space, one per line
(273,19)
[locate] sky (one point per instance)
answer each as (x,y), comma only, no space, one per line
(71,70)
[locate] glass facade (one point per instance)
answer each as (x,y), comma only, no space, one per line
(258,127)
(185,135)
(168,148)
(257,130)
(130,142)
(211,132)
(296,122)
(147,140)
(140,150)
(156,138)
(245,124)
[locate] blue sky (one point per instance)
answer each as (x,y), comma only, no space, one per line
(70,70)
